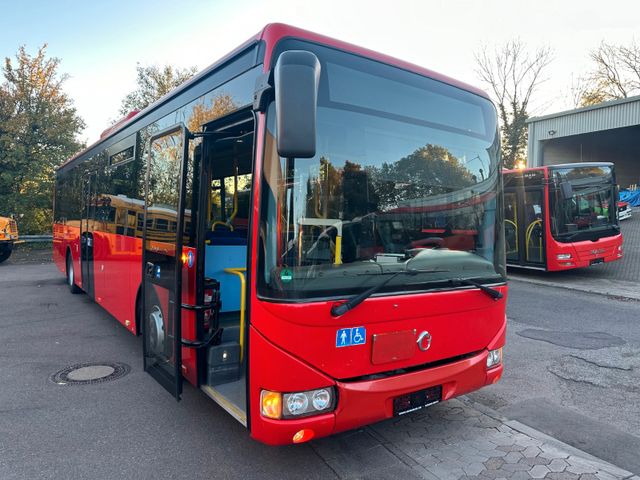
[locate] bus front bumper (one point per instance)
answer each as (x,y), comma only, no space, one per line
(364,402)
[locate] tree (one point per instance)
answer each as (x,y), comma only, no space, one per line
(38,130)
(201,113)
(153,83)
(428,171)
(512,75)
(616,74)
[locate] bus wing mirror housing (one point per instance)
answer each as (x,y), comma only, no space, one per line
(296,78)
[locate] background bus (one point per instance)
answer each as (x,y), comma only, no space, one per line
(560,217)
(268,228)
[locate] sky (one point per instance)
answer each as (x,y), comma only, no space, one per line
(100,42)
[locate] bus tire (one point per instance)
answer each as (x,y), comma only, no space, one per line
(71,276)
(155,322)
(5,252)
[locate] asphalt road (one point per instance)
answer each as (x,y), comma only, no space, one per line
(127,428)
(573,370)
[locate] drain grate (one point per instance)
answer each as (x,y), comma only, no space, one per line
(90,373)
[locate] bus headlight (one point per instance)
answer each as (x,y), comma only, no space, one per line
(494,358)
(563,256)
(308,403)
(297,404)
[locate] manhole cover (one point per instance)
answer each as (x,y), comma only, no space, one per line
(87,373)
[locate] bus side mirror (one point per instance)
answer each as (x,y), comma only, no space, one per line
(566,190)
(296,79)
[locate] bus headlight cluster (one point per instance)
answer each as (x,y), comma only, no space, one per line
(297,404)
(494,358)
(563,256)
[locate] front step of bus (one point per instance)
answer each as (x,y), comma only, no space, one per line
(223,360)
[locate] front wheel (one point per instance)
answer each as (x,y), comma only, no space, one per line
(5,252)
(71,276)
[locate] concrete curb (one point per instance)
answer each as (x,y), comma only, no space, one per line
(543,437)
(623,292)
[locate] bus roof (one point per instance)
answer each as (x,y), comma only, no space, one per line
(271,34)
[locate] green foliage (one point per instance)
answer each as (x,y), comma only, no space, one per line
(153,83)
(38,128)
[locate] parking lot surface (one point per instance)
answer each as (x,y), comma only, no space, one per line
(131,428)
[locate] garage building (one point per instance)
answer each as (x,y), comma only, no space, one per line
(607,132)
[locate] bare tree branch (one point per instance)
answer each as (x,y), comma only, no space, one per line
(616,73)
(512,75)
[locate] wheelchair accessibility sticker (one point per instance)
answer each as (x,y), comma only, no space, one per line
(349,337)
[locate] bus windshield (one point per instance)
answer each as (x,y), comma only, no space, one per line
(406,169)
(584,207)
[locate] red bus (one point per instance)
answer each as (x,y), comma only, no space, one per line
(264,228)
(560,217)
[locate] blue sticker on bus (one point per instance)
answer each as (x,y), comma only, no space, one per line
(348,337)
(190,258)
(358,336)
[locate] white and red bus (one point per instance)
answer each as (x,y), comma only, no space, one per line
(560,217)
(265,228)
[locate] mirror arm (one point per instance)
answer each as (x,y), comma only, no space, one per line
(263,92)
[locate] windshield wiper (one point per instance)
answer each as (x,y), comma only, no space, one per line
(353,302)
(492,292)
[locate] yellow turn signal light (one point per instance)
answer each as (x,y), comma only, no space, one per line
(271,403)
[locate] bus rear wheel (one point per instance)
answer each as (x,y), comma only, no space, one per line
(71,276)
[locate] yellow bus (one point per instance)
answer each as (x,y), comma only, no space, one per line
(8,237)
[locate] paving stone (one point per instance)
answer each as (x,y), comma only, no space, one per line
(516,467)
(531,451)
(473,468)
(557,465)
(539,471)
(512,447)
(495,474)
(494,463)
(513,457)
(535,461)
(520,476)
(562,476)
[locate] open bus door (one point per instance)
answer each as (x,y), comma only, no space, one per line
(162,246)
(524,226)
(89,196)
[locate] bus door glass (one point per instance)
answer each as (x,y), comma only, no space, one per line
(511,229)
(161,326)
(532,231)
(86,232)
